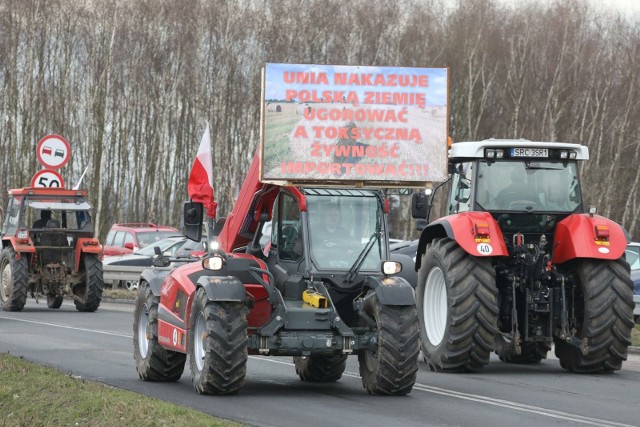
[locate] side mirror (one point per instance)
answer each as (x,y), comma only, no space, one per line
(161,261)
(421,224)
(128,245)
(419,205)
(193,213)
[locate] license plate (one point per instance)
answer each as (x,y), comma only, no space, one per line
(529,152)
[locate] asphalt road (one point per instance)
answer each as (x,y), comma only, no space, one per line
(98,346)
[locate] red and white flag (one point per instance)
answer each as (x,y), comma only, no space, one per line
(201,178)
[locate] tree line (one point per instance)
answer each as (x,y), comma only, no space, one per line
(132,84)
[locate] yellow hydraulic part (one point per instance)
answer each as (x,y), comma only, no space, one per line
(315,299)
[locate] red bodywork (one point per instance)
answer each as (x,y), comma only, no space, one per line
(176,298)
(463,229)
(575,237)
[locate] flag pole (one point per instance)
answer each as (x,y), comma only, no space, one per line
(210,218)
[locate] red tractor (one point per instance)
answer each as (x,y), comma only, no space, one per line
(48,250)
(317,287)
(518,264)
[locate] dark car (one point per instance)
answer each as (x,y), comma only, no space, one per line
(404,252)
(632,255)
(125,270)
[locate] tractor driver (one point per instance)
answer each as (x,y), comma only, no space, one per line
(333,234)
(519,190)
(45,216)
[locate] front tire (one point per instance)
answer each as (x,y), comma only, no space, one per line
(320,369)
(14,280)
(153,362)
(90,290)
(457,308)
(604,314)
(218,345)
(393,367)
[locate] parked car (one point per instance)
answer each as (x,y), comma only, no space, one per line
(124,270)
(127,238)
(405,252)
(632,255)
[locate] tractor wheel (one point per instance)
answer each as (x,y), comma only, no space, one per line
(218,345)
(530,352)
(320,369)
(392,368)
(90,290)
(153,362)
(54,301)
(14,280)
(457,307)
(603,306)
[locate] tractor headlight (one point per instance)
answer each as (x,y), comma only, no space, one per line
(214,245)
(213,263)
(391,267)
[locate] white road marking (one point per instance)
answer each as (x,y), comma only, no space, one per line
(490,401)
(57,325)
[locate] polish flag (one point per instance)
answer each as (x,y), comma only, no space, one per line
(201,178)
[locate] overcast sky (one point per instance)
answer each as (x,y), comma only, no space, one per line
(626,6)
(630,7)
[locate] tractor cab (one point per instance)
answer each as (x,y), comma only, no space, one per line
(328,230)
(526,186)
(48,217)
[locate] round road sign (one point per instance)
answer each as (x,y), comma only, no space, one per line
(53,151)
(48,179)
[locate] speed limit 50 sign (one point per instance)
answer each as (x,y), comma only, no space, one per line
(48,179)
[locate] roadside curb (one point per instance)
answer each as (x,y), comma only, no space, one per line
(633,350)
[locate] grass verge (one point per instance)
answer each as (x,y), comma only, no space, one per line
(635,336)
(34,395)
(119,294)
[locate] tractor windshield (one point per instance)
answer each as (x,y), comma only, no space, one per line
(70,214)
(341,227)
(541,186)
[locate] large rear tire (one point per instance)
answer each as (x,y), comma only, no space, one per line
(153,362)
(604,313)
(457,308)
(393,367)
(218,345)
(14,280)
(90,290)
(320,369)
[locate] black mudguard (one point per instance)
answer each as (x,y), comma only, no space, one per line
(154,277)
(391,290)
(223,288)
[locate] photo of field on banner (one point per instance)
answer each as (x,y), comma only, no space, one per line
(382,126)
